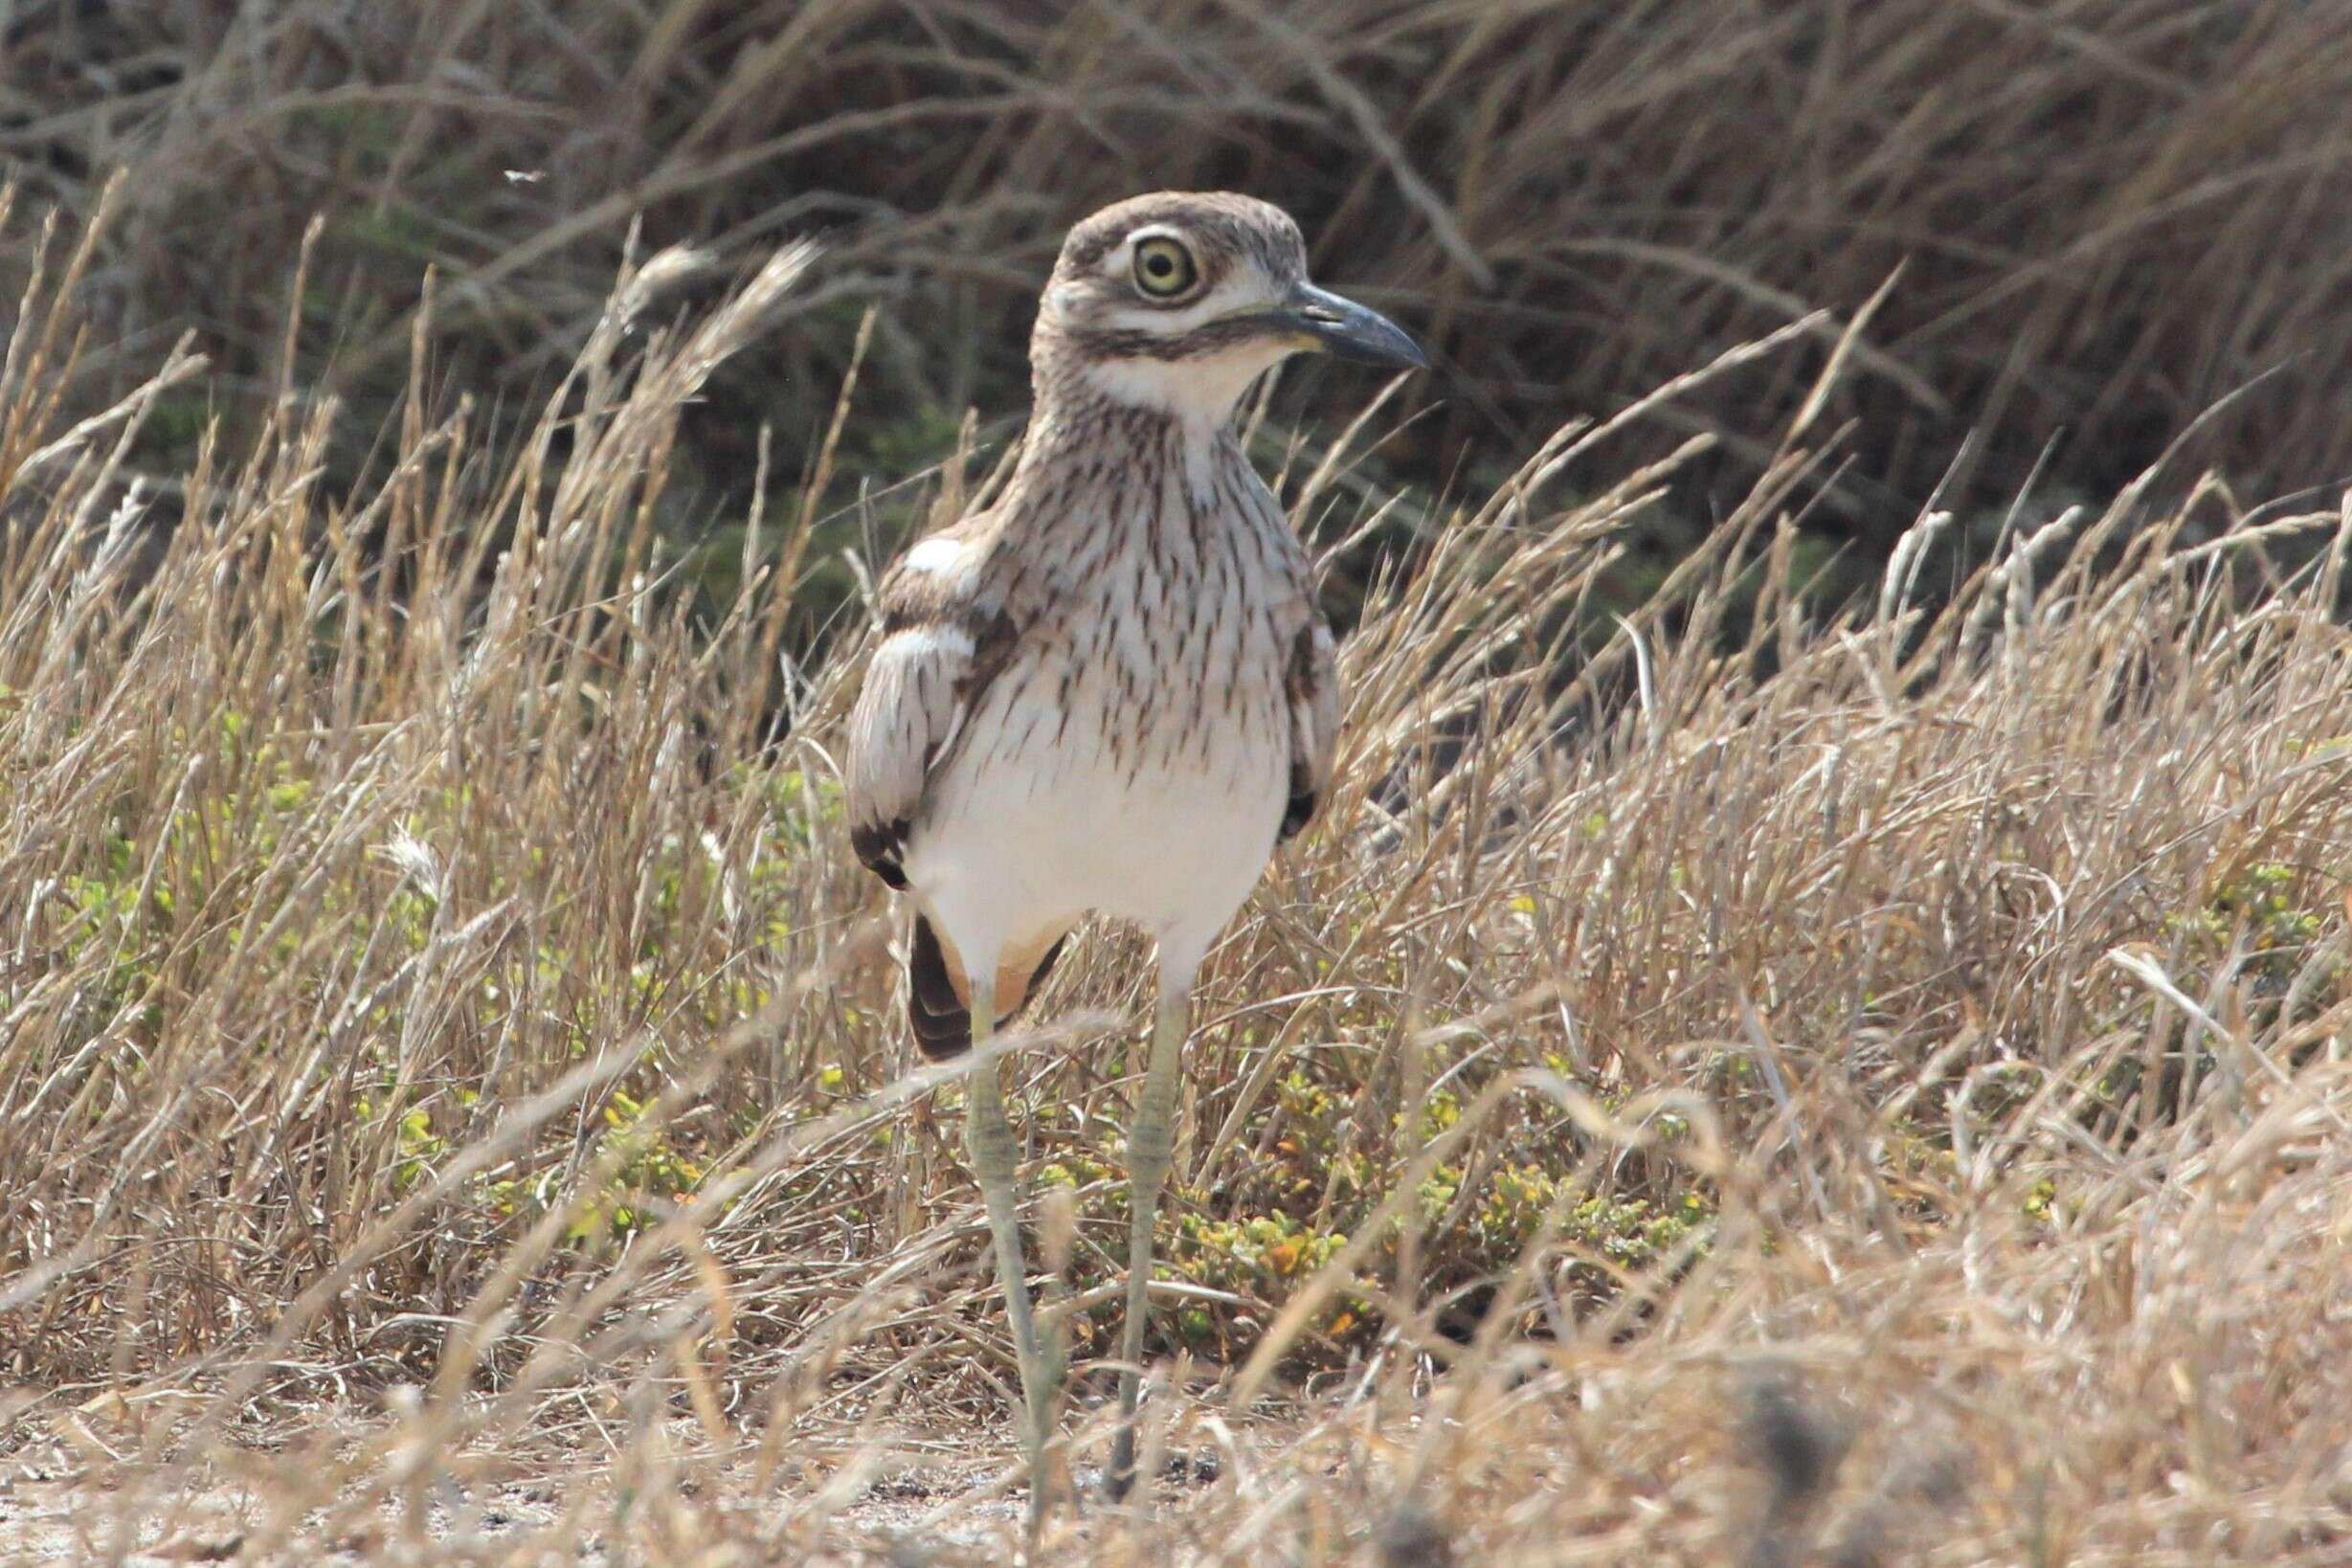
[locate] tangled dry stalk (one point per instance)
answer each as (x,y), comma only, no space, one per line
(1797,1086)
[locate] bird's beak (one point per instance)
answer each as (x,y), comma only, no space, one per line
(1327,324)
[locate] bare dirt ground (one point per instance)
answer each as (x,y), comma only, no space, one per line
(907,1497)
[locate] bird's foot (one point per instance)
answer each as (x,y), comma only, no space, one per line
(1118,1477)
(1051,1489)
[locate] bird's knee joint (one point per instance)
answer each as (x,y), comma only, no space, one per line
(1148,1150)
(993,1158)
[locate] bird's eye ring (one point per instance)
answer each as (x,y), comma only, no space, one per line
(1164,268)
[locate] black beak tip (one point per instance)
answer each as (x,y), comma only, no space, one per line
(1397,353)
(1347,330)
(1376,339)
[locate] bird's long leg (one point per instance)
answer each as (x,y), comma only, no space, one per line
(989,1139)
(1150,1144)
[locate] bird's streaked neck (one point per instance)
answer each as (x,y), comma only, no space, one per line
(1136,485)
(1118,423)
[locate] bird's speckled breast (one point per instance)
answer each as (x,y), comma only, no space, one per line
(1133,756)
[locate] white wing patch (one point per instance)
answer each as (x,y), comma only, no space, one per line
(906,714)
(947,647)
(922,643)
(1313,685)
(935,555)
(942,642)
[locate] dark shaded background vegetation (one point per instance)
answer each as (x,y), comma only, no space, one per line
(2107,215)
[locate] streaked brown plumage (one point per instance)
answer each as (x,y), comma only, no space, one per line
(1111,691)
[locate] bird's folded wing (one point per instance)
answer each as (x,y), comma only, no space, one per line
(942,643)
(1311,684)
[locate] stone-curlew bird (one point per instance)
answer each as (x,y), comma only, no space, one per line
(1111,691)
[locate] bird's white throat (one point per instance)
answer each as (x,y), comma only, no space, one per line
(1202,392)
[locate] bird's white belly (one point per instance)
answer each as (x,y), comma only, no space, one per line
(1065,800)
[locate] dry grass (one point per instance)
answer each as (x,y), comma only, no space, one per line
(1798,1088)
(2110,213)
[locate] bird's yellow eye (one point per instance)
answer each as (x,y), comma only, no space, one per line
(1163,267)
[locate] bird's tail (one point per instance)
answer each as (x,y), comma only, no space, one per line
(937,997)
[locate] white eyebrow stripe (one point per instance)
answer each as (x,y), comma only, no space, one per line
(1229,297)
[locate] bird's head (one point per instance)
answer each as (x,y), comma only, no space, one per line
(1179,299)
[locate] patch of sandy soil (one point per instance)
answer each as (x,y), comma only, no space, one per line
(53,1509)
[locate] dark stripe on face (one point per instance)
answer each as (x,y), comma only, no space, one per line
(1202,341)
